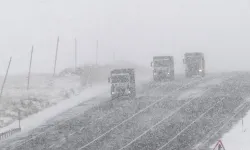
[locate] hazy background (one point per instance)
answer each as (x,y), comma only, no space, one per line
(134,29)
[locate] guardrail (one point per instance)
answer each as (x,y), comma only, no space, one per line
(8,133)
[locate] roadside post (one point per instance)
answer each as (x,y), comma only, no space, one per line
(5,77)
(19,119)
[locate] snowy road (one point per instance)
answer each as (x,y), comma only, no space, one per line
(163,116)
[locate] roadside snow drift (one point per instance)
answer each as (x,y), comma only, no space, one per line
(48,113)
(46,91)
(239,136)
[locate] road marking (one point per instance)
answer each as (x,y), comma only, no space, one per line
(236,113)
(62,140)
(43,132)
(236,110)
(184,86)
(142,110)
(51,145)
(72,134)
(188,126)
(82,128)
(165,118)
(163,84)
(144,93)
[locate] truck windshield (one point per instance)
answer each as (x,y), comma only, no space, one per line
(192,60)
(120,78)
(162,63)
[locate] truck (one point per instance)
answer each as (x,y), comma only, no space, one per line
(194,64)
(163,68)
(122,83)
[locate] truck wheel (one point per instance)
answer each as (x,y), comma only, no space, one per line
(172,78)
(133,93)
(112,97)
(187,75)
(203,74)
(155,79)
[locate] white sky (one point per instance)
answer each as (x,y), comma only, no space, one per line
(135,29)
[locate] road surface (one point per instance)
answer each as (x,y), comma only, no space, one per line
(182,114)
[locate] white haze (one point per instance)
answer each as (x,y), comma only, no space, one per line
(135,29)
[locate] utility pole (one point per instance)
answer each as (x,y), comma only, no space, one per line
(31,56)
(96,52)
(75,54)
(5,78)
(57,44)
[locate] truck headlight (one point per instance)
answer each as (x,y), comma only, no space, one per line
(112,93)
(200,70)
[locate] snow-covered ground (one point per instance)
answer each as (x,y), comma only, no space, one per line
(199,89)
(191,94)
(41,117)
(239,136)
(47,94)
(44,91)
(215,81)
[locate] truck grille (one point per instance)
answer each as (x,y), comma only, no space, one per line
(120,89)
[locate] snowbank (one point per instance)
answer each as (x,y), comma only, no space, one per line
(44,91)
(238,137)
(200,89)
(212,82)
(194,93)
(41,117)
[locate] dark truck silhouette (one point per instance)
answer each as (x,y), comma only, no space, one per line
(122,83)
(194,64)
(163,68)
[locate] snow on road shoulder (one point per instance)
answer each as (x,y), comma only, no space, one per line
(41,117)
(44,92)
(215,81)
(191,94)
(238,137)
(199,89)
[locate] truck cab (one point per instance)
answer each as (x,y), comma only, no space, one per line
(163,68)
(194,64)
(122,83)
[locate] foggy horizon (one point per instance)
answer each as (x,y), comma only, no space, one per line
(135,30)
